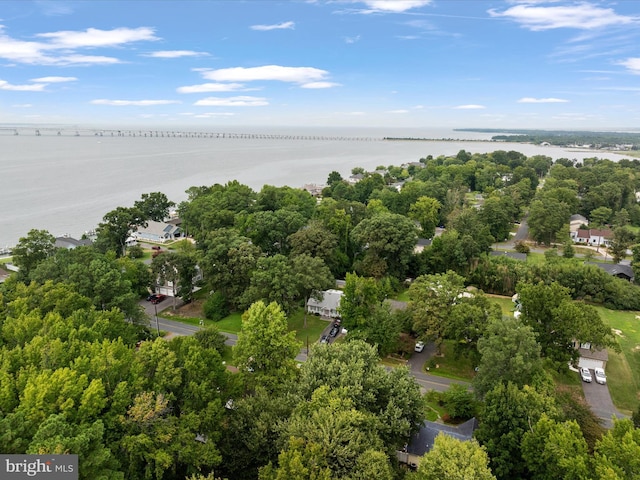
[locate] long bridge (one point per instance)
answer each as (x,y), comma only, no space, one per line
(146,133)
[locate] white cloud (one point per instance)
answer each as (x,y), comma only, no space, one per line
(60,48)
(93,37)
(470,107)
(136,103)
(277,26)
(632,64)
(320,85)
(350,40)
(398,111)
(394,6)
(542,100)
(22,105)
(242,101)
(211,87)
(583,16)
(54,79)
(35,87)
(267,72)
(175,54)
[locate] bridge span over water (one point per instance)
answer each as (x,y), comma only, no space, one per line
(141,133)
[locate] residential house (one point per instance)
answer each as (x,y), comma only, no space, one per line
(353,179)
(591,357)
(421,244)
(328,306)
(70,243)
(423,441)
(158,232)
(576,221)
(617,270)
(592,236)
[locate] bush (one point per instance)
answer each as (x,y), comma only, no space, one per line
(459,402)
(135,251)
(522,247)
(215,307)
(211,337)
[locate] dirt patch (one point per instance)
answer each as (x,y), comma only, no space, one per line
(193,309)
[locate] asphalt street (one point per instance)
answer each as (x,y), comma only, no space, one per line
(426,381)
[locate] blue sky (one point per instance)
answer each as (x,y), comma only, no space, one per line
(369,63)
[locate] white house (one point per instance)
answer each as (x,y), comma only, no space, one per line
(158,232)
(590,357)
(592,236)
(329,305)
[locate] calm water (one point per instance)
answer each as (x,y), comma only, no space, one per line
(65,184)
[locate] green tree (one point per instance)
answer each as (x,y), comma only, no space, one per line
(354,368)
(115,228)
(361,296)
(495,213)
(546,219)
(386,243)
(315,240)
(431,299)
(509,353)
(617,454)
(37,246)
(555,450)
(600,216)
(426,212)
(453,459)
(270,230)
(154,206)
(558,321)
(510,412)
(622,239)
(265,348)
(311,277)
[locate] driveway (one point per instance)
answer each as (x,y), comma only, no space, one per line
(599,400)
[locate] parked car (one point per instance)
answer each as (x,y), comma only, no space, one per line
(585,374)
(419,346)
(324,339)
(159,297)
(151,297)
(334,331)
(601,378)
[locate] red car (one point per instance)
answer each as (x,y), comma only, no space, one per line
(158,298)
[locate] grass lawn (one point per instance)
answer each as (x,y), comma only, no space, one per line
(623,369)
(449,366)
(403,296)
(314,329)
(505,303)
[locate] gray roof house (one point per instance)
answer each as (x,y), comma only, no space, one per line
(71,243)
(158,232)
(616,269)
(328,306)
(423,441)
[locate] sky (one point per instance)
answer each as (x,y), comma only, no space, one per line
(363,63)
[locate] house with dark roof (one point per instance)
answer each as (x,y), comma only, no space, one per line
(423,441)
(591,357)
(421,244)
(616,270)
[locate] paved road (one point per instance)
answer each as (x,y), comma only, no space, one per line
(415,363)
(599,399)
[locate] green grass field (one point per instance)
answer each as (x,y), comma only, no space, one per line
(623,369)
(447,365)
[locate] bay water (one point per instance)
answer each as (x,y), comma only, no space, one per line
(66,183)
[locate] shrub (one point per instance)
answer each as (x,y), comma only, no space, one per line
(459,402)
(522,247)
(215,307)
(135,251)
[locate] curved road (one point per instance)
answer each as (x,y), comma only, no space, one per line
(426,381)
